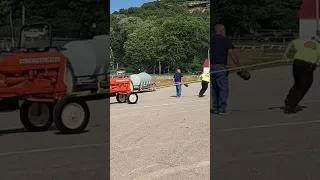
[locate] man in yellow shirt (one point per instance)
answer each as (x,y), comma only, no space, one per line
(205,79)
(304,63)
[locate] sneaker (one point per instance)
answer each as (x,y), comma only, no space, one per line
(214,111)
(224,113)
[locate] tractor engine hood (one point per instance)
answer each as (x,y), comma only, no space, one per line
(20,60)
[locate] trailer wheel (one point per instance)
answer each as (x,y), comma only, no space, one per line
(36,116)
(132,98)
(71,115)
(121,98)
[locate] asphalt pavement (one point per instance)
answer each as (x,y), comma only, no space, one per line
(161,137)
(52,156)
(256,141)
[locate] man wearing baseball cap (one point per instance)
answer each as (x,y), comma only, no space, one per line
(304,63)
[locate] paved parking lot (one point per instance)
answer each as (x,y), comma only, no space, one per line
(257,141)
(161,137)
(52,156)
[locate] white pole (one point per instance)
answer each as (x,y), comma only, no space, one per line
(317,15)
(11,28)
(23,19)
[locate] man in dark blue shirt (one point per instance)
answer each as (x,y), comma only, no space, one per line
(220,48)
(177,81)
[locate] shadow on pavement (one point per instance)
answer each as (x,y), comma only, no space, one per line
(20,130)
(59,133)
(298,109)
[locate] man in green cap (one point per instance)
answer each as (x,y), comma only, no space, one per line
(305,62)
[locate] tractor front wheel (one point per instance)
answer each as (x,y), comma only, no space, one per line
(71,115)
(36,116)
(132,98)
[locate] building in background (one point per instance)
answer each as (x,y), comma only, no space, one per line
(307,19)
(206,66)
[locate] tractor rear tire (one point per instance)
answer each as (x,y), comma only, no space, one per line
(121,98)
(132,98)
(71,115)
(36,116)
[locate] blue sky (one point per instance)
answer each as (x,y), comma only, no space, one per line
(115,5)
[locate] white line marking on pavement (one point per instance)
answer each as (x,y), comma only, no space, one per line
(52,149)
(158,105)
(267,125)
(172,170)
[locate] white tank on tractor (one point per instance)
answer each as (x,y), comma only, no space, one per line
(141,81)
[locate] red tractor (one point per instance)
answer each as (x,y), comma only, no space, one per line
(122,89)
(41,76)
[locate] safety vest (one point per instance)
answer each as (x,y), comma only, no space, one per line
(205,77)
(307,50)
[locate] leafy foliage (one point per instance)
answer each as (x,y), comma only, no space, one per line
(160,36)
(249,15)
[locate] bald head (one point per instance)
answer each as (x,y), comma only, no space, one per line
(220,29)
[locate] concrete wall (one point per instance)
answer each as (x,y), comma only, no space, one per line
(307,28)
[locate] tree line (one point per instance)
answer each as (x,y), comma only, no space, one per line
(162,35)
(159,37)
(77,15)
(250,15)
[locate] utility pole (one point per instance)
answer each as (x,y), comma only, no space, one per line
(317,17)
(23,14)
(12,30)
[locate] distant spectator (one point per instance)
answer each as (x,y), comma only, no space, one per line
(177,81)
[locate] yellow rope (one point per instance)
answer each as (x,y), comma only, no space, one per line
(251,66)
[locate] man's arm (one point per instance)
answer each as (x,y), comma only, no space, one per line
(285,54)
(233,56)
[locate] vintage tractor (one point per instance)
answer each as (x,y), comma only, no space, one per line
(43,78)
(122,89)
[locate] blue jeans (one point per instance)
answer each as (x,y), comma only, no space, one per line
(178,89)
(220,88)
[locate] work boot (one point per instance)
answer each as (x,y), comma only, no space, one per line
(289,110)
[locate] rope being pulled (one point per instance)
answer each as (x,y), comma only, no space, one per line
(240,68)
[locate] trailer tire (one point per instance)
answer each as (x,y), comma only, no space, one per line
(45,118)
(132,98)
(121,98)
(80,115)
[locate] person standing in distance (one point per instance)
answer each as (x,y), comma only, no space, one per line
(305,62)
(220,48)
(177,81)
(205,80)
